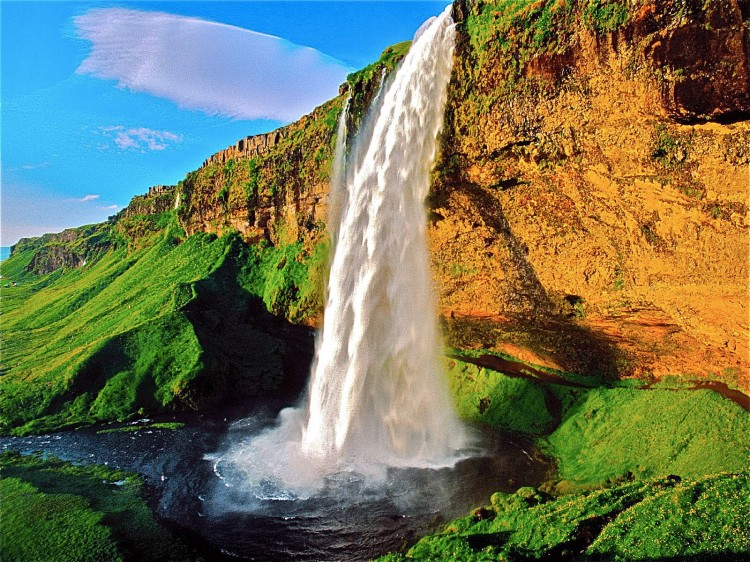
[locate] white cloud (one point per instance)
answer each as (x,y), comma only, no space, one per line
(140,139)
(88,198)
(110,208)
(207,66)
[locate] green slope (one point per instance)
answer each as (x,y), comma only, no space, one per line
(658,473)
(659,519)
(168,326)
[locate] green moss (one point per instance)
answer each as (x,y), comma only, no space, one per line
(131,428)
(287,278)
(487,396)
(53,510)
(388,61)
(655,519)
(605,16)
(253,179)
(598,434)
(692,519)
(668,149)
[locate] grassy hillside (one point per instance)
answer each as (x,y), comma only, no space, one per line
(152,311)
(656,519)
(170,325)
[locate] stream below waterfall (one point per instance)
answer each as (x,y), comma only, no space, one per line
(349,519)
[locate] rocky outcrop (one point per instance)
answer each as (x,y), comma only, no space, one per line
(71,248)
(248,147)
(158,199)
(708,58)
(53,257)
(268,187)
(274,186)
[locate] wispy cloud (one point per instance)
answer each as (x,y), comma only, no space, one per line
(207,66)
(35,166)
(110,208)
(88,198)
(140,138)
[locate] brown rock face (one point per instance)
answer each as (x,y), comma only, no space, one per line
(267,187)
(53,257)
(159,199)
(70,248)
(584,212)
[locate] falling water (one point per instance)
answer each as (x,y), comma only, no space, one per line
(378,391)
(378,395)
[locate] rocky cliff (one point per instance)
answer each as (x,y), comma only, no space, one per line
(590,199)
(71,248)
(590,204)
(273,186)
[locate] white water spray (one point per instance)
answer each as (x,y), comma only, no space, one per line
(378,391)
(378,395)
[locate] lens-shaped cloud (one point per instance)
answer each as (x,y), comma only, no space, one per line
(207,66)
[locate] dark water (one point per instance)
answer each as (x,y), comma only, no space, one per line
(349,519)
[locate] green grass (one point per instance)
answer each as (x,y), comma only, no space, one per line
(145,330)
(57,512)
(644,520)
(609,432)
(487,396)
(389,60)
(289,282)
(641,474)
(104,333)
(59,527)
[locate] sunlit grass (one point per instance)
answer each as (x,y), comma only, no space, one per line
(644,520)
(117,337)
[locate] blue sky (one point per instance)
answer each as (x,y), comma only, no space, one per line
(100,100)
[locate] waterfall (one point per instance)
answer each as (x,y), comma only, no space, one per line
(378,395)
(378,392)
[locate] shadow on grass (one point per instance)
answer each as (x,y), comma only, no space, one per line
(247,350)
